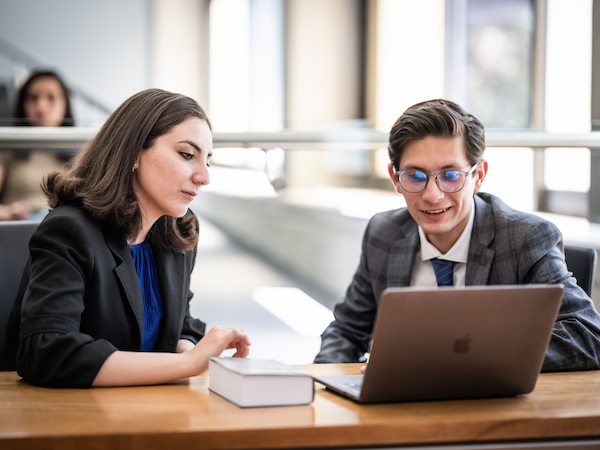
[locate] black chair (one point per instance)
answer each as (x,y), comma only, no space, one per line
(14,253)
(582,262)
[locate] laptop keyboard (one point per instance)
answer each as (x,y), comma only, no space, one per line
(354,388)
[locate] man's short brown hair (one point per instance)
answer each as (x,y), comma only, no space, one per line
(440,118)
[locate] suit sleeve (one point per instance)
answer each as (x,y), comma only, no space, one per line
(347,338)
(575,341)
(52,351)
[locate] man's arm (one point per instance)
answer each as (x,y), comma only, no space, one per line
(346,339)
(575,341)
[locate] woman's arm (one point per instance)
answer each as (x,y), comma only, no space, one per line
(133,368)
(14,211)
(184,345)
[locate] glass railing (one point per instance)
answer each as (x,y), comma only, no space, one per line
(302,199)
(11,137)
(356,158)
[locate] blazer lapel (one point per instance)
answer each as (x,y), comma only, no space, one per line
(127,275)
(171,270)
(479,262)
(402,255)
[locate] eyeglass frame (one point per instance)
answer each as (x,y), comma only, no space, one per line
(466,174)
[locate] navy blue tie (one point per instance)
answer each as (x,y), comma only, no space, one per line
(444,271)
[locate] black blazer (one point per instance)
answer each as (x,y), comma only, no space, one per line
(80,300)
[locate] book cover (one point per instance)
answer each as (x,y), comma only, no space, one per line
(259,382)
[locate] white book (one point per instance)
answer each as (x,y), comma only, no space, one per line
(259,382)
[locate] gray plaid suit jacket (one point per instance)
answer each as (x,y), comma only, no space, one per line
(507,247)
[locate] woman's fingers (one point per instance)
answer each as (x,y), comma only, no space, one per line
(230,337)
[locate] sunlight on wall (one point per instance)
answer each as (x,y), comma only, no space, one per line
(568,91)
(509,176)
(567,169)
(410,56)
(322,63)
(267,103)
(178,48)
(568,66)
(229,72)
(380,165)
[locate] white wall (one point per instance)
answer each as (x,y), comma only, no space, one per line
(323,64)
(408,56)
(102,46)
(180,46)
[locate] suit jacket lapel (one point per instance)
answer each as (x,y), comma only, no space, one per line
(479,262)
(170,267)
(127,275)
(402,255)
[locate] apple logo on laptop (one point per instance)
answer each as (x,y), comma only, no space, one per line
(462,345)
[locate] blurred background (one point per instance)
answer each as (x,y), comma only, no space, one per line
(301,95)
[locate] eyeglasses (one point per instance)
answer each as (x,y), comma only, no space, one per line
(449,181)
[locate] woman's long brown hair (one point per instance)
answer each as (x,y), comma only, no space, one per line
(100,177)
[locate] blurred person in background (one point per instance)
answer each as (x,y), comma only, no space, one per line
(43,101)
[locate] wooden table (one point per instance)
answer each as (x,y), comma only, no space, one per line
(185,415)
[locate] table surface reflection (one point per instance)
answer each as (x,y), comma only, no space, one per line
(186,415)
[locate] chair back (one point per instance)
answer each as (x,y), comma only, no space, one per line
(582,262)
(14,253)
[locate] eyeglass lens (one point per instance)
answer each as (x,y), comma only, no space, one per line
(448,180)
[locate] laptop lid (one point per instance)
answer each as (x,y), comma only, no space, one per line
(457,343)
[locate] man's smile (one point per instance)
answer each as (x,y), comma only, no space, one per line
(436,211)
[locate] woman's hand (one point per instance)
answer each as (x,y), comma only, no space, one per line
(217,340)
(221,338)
(141,368)
(14,211)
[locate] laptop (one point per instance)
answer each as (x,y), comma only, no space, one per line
(455,343)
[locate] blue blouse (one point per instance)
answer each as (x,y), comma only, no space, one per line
(145,266)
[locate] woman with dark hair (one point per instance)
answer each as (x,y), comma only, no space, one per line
(105,299)
(43,101)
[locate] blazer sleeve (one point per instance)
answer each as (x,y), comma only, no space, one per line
(52,351)
(575,341)
(347,338)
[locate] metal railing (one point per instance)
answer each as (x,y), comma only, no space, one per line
(357,139)
(72,140)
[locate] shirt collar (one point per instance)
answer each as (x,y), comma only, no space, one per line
(459,251)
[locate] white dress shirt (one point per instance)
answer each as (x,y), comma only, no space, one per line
(423,274)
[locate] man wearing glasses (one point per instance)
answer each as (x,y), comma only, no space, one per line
(450,234)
